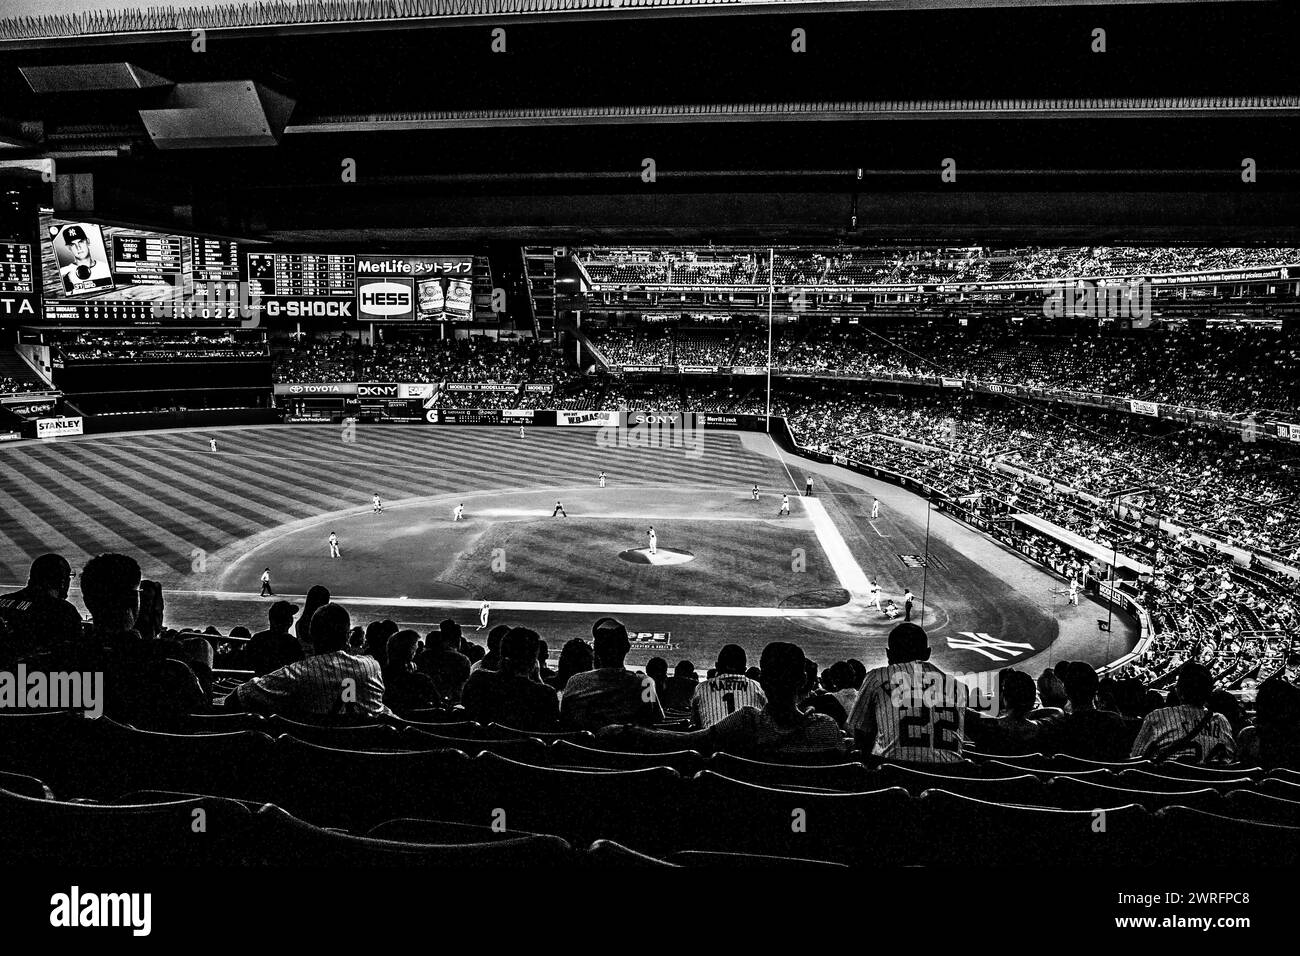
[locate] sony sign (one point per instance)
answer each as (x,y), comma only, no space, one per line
(386,299)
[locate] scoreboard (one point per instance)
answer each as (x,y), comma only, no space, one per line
(361,287)
(92,274)
(17,273)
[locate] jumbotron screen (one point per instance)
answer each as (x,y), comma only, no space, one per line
(93,274)
(362,288)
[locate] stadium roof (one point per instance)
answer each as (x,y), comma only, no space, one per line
(749,141)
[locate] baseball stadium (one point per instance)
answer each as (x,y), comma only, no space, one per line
(421,439)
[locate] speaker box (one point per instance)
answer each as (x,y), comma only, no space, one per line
(227,113)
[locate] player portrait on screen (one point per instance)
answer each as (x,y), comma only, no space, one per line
(83,263)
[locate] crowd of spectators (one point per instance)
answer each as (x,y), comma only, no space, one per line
(166,347)
(911,266)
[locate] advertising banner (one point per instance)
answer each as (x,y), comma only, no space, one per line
(594,419)
(316,388)
(57,427)
(1143,408)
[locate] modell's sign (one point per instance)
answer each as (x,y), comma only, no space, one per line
(57,427)
(390,299)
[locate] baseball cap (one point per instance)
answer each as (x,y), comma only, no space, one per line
(73,233)
(283,609)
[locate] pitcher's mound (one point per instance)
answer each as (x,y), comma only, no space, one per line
(661,556)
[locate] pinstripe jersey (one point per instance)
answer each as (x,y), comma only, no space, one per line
(722,696)
(1166,725)
(916,711)
(316,685)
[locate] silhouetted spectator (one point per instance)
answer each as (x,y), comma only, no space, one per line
(610,693)
(40,616)
(513,694)
(446,666)
(575,657)
(275,647)
(405,688)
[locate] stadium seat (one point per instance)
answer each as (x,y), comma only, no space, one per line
(356,789)
(1151,780)
(735,816)
(1023,788)
(1173,768)
(955,829)
(1074,793)
(194,832)
(1067,762)
(717,859)
(520,748)
(978,756)
(372,736)
(501,731)
(1252,805)
(1278,787)
(285,840)
(1195,838)
(837,776)
(33,741)
(573,754)
(425,830)
(640,808)
(1003,768)
(25,786)
(218,722)
(1285,773)
(465,729)
(606,854)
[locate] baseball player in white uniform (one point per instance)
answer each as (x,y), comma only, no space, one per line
(1074,591)
(459,514)
(874,591)
(601,480)
(785,505)
(378,505)
(334,546)
(212,444)
(483,612)
(875,508)
(654,541)
(754,494)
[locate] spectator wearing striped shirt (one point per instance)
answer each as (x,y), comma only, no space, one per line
(330,682)
(722,695)
(1188,731)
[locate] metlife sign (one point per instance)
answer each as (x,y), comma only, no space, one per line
(414,266)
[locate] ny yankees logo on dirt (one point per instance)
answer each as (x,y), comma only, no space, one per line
(991,647)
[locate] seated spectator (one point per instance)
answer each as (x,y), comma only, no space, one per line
(143,682)
(610,693)
(1086,731)
(680,688)
(910,710)
(317,597)
(40,616)
(657,670)
(1052,696)
(723,695)
(839,681)
(405,688)
(333,682)
(1188,731)
(544,661)
(493,656)
(357,641)
(275,647)
(1012,731)
(446,666)
(816,698)
(513,694)
(1274,741)
(376,640)
(575,657)
(780,729)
